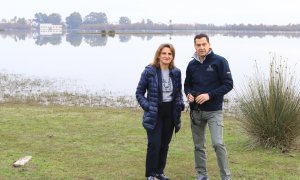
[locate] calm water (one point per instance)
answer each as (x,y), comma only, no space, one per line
(96,63)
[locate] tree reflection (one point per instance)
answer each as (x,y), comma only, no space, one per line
(147,37)
(74,39)
(95,40)
(16,36)
(124,38)
(21,36)
(44,40)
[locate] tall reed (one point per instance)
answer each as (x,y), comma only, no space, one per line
(269,106)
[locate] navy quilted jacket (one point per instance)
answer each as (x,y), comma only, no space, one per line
(150,82)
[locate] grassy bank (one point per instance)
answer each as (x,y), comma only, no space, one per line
(106,143)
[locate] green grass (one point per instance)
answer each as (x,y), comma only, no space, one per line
(105,143)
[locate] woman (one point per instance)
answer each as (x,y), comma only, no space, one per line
(162,107)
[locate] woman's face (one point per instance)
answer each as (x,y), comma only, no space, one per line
(166,56)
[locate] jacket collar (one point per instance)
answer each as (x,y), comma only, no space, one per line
(153,70)
(196,57)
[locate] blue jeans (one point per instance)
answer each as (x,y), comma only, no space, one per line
(214,119)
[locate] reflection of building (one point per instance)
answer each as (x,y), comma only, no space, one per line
(50,29)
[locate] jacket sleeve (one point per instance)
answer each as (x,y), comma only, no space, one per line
(141,90)
(187,82)
(226,80)
(181,96)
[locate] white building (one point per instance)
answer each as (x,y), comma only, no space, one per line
(50,29)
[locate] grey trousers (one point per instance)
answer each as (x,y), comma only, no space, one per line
(214,119)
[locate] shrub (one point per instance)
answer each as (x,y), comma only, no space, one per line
(269,107)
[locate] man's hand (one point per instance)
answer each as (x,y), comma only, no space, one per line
(190,98)
(202,98)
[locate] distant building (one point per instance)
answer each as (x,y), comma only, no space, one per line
(50,29)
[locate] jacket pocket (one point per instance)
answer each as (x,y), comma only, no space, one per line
(146,106)
(220,123)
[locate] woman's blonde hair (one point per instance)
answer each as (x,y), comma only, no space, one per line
(155,61)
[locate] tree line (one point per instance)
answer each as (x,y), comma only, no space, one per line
(96,21)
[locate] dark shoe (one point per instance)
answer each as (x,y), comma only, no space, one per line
(201,177)
(162,177)
(226,178)
(150,178)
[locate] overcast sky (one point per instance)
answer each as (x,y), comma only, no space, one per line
(219,12)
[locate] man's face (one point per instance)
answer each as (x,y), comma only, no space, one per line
(202,47)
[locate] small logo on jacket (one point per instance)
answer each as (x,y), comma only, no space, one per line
(209,68)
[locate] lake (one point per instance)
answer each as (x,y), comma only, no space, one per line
(96,63)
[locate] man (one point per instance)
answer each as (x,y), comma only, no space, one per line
(208,79)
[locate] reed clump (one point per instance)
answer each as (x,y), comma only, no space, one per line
(269,106)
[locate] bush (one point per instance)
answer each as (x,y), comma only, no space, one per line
(269,107)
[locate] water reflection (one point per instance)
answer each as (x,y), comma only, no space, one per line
(124,38)
(74,39)
(44,40)
(94,40)
(16,35)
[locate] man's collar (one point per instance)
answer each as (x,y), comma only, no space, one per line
(199,59)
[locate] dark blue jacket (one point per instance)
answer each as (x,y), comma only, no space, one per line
(213,76)
(150,82)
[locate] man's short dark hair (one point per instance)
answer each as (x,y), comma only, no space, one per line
(201,35)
